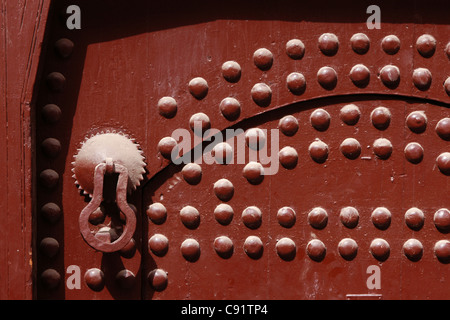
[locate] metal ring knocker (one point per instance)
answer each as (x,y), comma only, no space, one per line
(100,241)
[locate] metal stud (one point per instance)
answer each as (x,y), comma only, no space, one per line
(190,249)
(447,50)
(199,123)
(56,81)
(316,250)
(442,251)
(413,249)
(360,75)
(443,128)
(318,151)
(231,71)
(426,45)
(349,217)
(51,147)
(318,218)
(222,153)
(64,47)
(288,125)
(49,178)
(288,157)
(158,244)
(286,217)
(414,152)
(49,247)
(381,118)
(198,87)
(261,94)
(255,138)
(51,113)
(350,148)
(327,78)
(224,247)
(441,220)
(320,119)
(328,44)
(165,147)
(263,59)
(360,43)
(390,44)
(414,218)
(95,279)
(223,189)
(382,148)
(417,121)
(51,212)
(443,163)
(157,213)
(350,114)
(380,249)
(296,83)
(295,49)
(230,108)
(381,218)
(158,279)
(390,76)
(190,217)
(125,279)
(253,247)
(422,78)
(253,172)
(348,248)
(192,173)
(50,278)
(223,214)
(252,217)
(167,107)
(286,249)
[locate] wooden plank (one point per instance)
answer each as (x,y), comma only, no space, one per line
(22,31)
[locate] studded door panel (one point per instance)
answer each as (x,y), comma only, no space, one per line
(354,126)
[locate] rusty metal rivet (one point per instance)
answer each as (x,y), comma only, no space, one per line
(414,152)
(223,189)
(190,217)
(360,43)
(158,244)
(413,249)
(442,251)
(49,178)
(349,217)
(199,122)
(49,247)
(50,278)
(318,218)
(288,125)
(286,217)
(320,119)
(56,81)
(125,279)
(230,108)
(350,148)
(167,107)
(190,249)
(382,148)
(263,59)
(157,213)
(253,172)
(286,249)
(192,173)
(261,94)
(318,151)
(381,218)
(51,212)
(422,78)
(222,153)
(441,220)
(223,214)
(327,78)
(380,249)
(296,83)
(158,279)
(198,87)
(51,147)
(51,113)
(295,49)
(166,145)
(443,163)
(447,85)
(443,128)
(253,247)
(390,76)
(350,114)
(348,249)
(426,45)
(417,121)
(316,250)
(360,75)
(95,279)
(252,217)
(328,44)
(390,44)
(224,247)
(64,47)
(381,118)
(231,71)
(414,218)
(288,157)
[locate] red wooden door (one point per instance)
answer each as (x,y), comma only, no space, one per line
(346,196)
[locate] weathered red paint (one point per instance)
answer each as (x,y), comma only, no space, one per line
(363,177)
